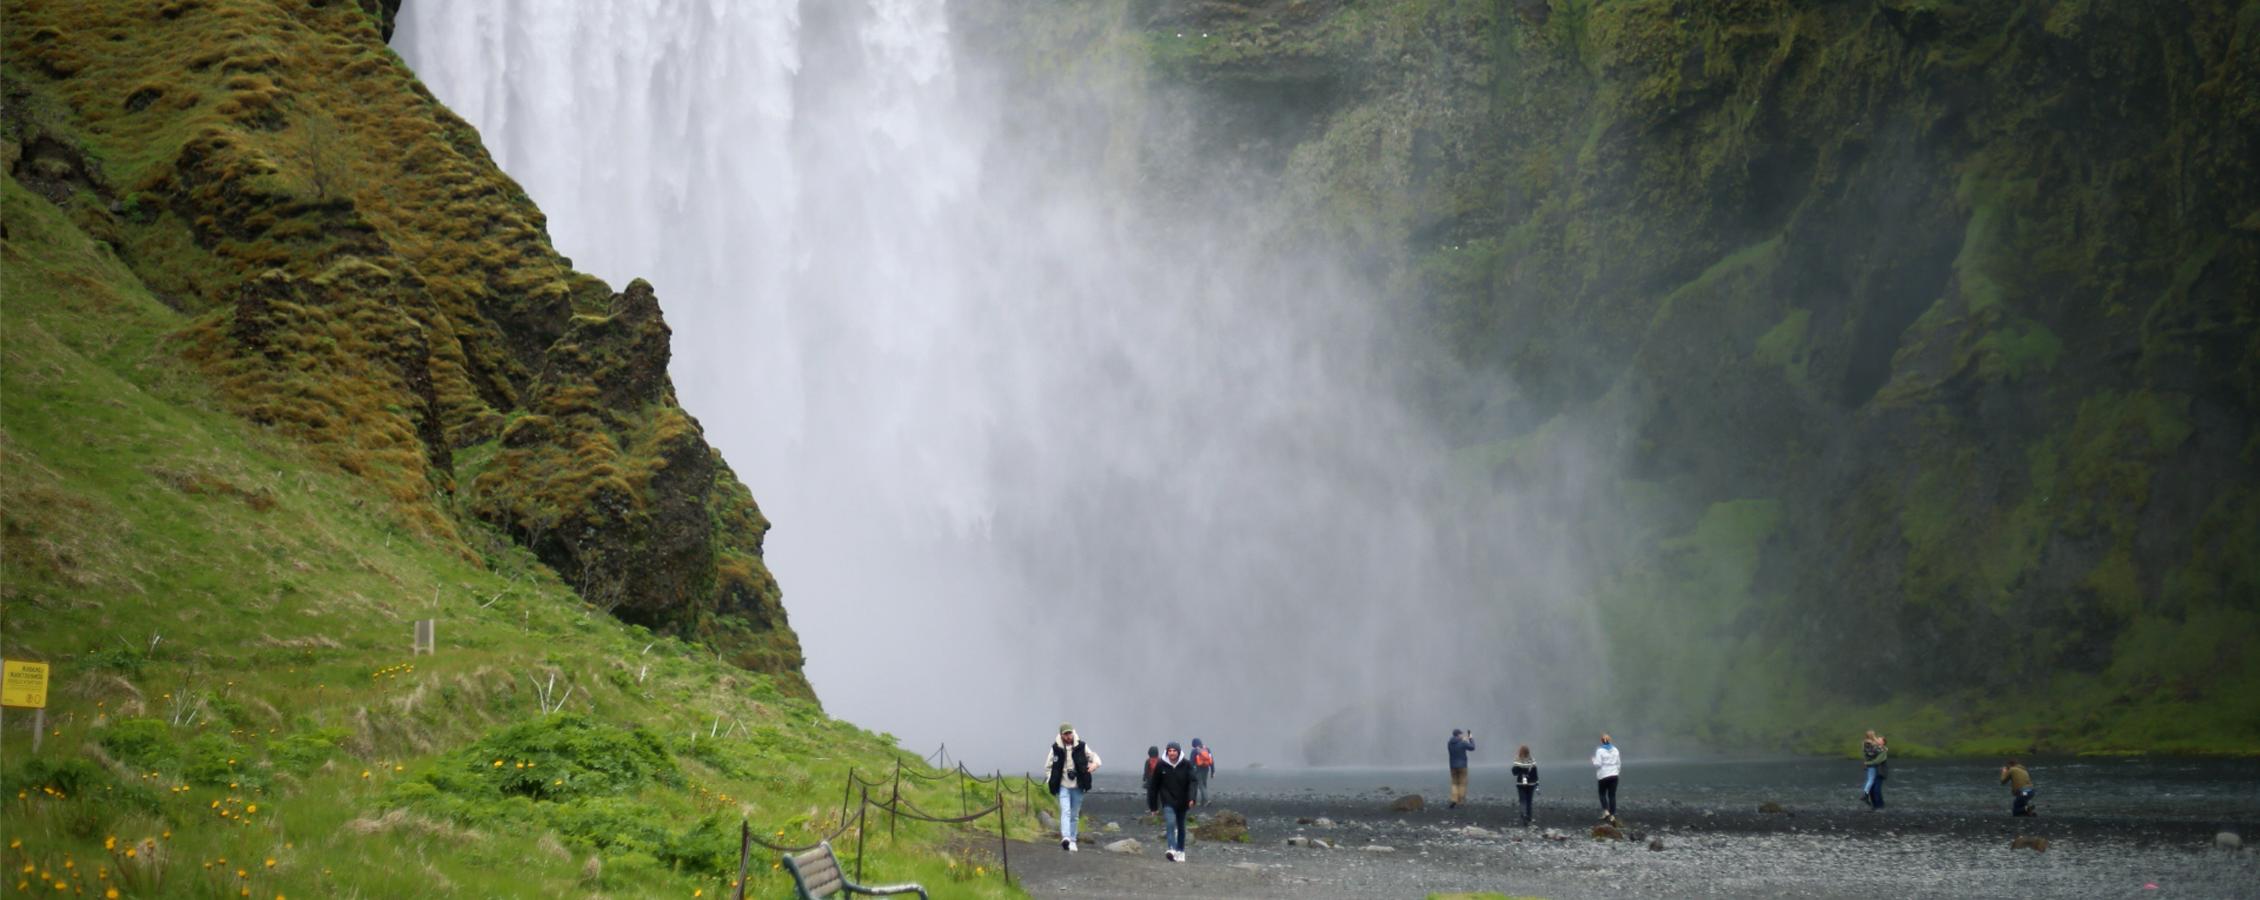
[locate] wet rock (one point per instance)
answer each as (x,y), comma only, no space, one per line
(1323,822)
(1298,841)
(1656,844)
(1321,843)
(1047,820)
(2036,844)
(2228,840)
(1607,832)
(1378,848)
(1305,820)
(1771,808)
(1475,831)
(1553,835)
(1126,845)
(1112,828)
(1409,803)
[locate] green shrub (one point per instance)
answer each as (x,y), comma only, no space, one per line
(305,751)
(558,757)
(147,743)
(213,760)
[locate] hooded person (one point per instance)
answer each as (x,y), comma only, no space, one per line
(1526,780)
(1608,762)
(1153,756)
(1070,764)
(1204,765)
(1172,792)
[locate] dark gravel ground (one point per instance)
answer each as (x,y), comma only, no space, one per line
(1845,851)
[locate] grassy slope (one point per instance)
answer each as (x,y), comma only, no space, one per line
(279,596)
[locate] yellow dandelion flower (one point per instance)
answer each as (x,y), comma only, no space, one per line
(364,773)
(129,853)
(241,873)
(270,862)
(111,893)
(108,843)
(68,863)
(252,808)
(16,844)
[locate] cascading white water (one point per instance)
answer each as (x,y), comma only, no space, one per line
(1031,454)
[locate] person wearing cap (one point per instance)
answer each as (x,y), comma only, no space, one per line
(1070,765)
(1172,792)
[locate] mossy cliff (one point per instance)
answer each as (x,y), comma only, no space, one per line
(1920,334)
(358,275)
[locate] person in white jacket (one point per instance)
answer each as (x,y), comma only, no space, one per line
(1606,763)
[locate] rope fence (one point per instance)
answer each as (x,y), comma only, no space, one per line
(897,806)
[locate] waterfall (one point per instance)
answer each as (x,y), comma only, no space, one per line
(1033,450)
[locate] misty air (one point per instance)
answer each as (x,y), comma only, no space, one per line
(1130,448)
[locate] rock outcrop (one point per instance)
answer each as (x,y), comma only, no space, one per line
(366,282)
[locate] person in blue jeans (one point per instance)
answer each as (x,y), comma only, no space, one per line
(1070,765)
(1172,790)
(1875,756)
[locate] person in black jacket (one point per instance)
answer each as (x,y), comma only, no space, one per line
(1070,763)
(1526,780)
(1172,791)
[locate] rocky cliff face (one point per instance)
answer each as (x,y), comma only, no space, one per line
(369,284)
(1920,335)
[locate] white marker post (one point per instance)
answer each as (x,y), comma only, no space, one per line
(427,638)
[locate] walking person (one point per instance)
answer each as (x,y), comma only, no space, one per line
(1875,754)
(1526,780)
(1456,752)
(1607,762)
(2020,789)
(1071,765)
(1153,758)
(1172,792)
(1204,765)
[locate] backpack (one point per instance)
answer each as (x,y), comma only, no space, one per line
(1203,759)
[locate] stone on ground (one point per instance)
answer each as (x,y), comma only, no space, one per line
(1476,831)
(1126,845)
(2037,844)
(1771,807)
(1408,803)
(1378,848)
(1223,825)
(1112,828)
(1607,832)
(2228,840)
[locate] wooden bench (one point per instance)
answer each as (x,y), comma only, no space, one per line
(818,875)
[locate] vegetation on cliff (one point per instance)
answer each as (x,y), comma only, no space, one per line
(285,365)
(358,275)
(1919,334)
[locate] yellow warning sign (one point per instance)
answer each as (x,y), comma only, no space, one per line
(23,684)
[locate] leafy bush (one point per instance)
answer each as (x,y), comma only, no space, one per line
(143,742)
(303,752)
(213,760)
(631,871)
(558,757)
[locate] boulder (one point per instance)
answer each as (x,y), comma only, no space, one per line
(2036,844)
(1223,825)
(1607,832)
(1771,808)
(1298,841)
(1324,822)
(1321,843)
(1112,828)
(1656,844)
(1046,819)
(1126,845)
(1408,803)
(1475,831)
(1305,820)
(2228,840)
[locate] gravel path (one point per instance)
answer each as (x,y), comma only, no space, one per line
(1847,852)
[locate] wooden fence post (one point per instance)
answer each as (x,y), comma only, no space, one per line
(745,853)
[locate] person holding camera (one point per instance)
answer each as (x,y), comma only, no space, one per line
(1455,751)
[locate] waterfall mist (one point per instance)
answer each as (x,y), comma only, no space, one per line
(1044,437)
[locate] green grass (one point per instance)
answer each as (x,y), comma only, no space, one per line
(229,625)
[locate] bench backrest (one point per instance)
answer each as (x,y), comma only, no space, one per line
(818,871)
